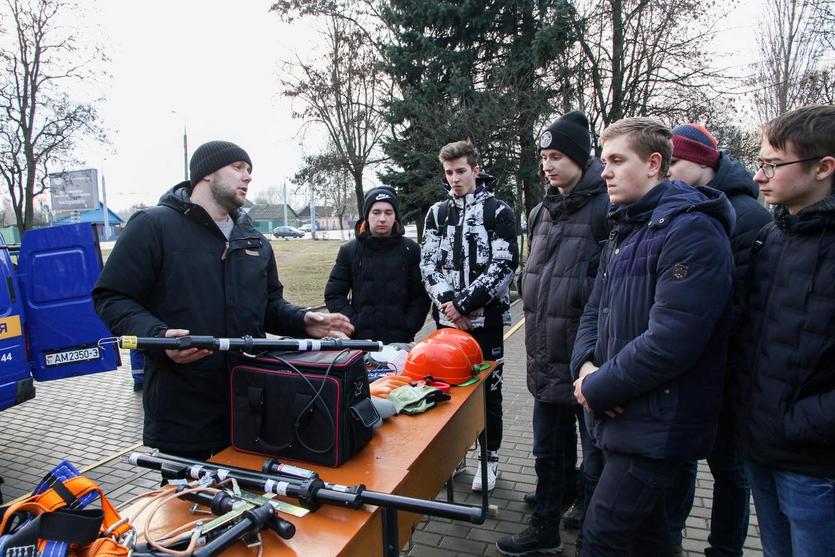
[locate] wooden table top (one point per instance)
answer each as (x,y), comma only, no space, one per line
(409,455)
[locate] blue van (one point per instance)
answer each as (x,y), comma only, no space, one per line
(48,326)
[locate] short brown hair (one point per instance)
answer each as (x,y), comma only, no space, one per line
(646,136)
(810,130)
(458,149)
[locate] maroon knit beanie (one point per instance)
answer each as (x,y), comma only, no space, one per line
(692,142)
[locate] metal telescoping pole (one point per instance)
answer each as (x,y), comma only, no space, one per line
(311,493)
(248,344)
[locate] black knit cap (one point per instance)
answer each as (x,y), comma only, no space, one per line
(213,155)
(569,135)
(381,193)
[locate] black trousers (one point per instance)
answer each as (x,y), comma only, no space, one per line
(627,512)
(491,341)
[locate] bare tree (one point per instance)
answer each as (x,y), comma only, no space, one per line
(271,195)
(326,175)
(796,56)
(41,122)
(345,95)
(639,58)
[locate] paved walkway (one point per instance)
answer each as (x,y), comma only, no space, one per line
(91,420)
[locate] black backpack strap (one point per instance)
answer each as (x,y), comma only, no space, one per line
(600,219)
(758,244)
(489,212)
(532,218)
(443,214)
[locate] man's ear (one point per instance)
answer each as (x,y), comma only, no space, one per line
(654,164)
(826,168)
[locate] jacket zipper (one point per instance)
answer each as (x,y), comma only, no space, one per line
(760,335)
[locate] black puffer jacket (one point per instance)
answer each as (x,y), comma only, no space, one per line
(172,268)
(787,403)
(734,181)
(557,281)
(387,299)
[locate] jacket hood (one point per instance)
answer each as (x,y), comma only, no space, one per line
(814,218)
(179,199)
(670,198)
(589,185)
(732,178)
(397,232)
(483,181)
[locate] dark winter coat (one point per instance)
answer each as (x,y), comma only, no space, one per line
(787,406)
(382,275)
(469,258)
(557,281)
(656,324)
(172,268)
(734,181)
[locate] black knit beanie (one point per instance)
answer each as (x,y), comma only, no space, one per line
(381,194)
(570,136)
(212,156)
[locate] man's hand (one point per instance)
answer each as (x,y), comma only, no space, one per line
(585,370)
(448,309)
(578,392)
(459,320)
(188,355)
(463,323)
(334,325)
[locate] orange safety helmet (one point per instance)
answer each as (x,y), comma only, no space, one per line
(444,362)
(463,340)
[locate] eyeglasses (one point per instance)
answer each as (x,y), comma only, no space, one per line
(769,168)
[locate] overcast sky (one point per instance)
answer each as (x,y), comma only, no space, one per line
(213,66)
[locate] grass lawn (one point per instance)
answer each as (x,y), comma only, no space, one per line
(304,267)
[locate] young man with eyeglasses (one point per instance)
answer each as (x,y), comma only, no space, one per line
(698,161)
(786,406)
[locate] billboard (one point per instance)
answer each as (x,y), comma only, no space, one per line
(76,190)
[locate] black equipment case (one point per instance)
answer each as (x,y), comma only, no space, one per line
(311,406)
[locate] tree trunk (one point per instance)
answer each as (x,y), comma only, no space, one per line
(357,174)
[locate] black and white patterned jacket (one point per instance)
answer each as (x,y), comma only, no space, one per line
(469,258)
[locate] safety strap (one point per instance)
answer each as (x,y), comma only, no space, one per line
(60,498)
(758,244)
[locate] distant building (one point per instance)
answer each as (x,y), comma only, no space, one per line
(326,217)
(96,217)
(267,216)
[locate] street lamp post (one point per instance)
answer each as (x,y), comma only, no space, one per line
(185,152)
(185,145)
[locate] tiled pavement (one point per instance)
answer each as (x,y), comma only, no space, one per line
(90,420)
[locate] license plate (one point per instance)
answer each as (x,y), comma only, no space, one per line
(72,356)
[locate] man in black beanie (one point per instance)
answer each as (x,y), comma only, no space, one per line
(566,231)
(376,278)
(195,264)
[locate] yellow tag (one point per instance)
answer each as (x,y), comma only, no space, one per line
(10,326)
(129,343)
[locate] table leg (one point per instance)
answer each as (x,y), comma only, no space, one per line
(391,545)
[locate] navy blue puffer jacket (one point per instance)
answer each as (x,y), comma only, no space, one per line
(656,324)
